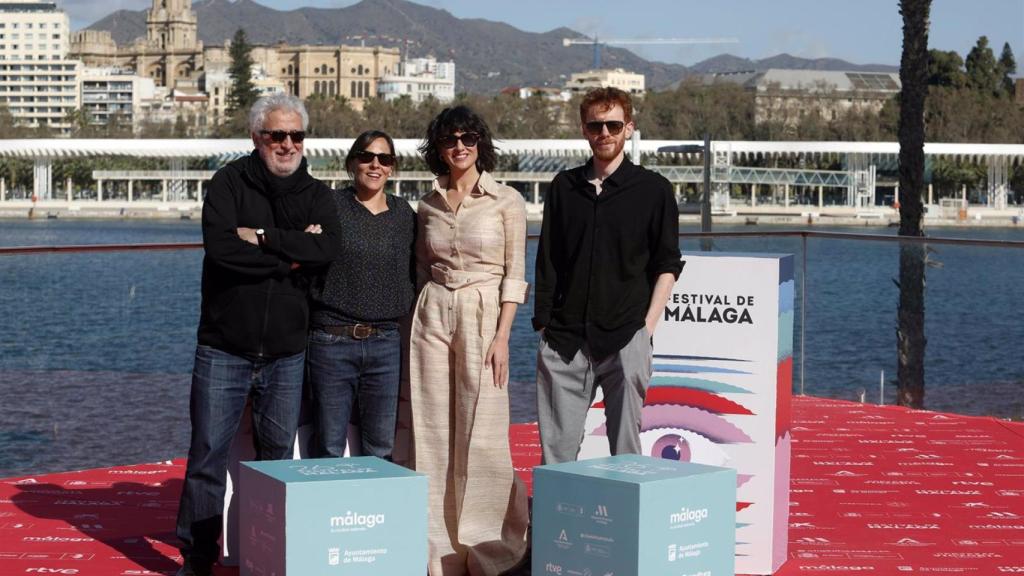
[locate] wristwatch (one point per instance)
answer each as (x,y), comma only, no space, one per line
(261,237)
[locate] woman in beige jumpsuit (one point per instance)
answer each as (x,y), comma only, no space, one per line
(470,250)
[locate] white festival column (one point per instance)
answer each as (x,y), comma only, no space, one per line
(720,391)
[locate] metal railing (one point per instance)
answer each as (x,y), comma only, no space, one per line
(804,235)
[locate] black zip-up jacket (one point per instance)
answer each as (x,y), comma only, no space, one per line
(254,304)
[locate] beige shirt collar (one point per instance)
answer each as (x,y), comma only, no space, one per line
(486,185)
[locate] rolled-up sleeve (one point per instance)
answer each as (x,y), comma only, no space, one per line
(514,287)
(666,255)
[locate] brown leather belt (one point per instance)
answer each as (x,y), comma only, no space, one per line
(356,332)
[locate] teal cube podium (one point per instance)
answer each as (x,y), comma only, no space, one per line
(633,515)
(353,516)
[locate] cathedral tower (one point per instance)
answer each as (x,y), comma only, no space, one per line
(171,25)
(173,52)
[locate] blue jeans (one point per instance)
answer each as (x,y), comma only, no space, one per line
(344,371)
(221,383)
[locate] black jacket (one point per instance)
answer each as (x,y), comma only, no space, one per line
(254,303)
(600,255)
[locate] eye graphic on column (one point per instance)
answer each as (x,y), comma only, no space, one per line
(671,447)
(687,424)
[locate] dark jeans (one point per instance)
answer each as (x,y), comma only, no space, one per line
(344,371)
(221,383)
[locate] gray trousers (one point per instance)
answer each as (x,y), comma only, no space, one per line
(565,391)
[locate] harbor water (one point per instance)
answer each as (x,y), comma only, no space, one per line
(96,347)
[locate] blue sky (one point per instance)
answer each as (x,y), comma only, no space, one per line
(861,31)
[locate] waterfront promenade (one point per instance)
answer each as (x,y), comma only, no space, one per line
(874,490)
(766,181)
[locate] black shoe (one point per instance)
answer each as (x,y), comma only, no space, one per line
(522,568)
(192,568)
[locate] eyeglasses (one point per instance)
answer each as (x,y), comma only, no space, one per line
(594,127)
(366,157)
(469,139)
(278,136)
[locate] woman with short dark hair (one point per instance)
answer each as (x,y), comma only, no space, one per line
(354,353)
(470,257)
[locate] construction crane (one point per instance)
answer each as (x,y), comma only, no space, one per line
(649,41)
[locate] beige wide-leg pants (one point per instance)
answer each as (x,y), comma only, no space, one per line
(478,507)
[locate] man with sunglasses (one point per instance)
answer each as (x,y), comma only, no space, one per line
(266,223)
(606,263)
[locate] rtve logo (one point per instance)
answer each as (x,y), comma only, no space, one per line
(553,568)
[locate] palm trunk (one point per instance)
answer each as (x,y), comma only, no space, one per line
(910,337)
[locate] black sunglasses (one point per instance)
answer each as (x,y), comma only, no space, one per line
(469,139)
(278,136)
(366,157)
(594,127)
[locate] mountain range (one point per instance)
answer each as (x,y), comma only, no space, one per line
(488,55)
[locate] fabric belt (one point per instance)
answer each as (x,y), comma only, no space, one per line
(355,331)
(455,279)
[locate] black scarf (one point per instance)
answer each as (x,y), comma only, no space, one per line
(274,186)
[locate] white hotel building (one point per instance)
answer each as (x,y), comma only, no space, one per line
(38,84)
(420,78)
(583,82)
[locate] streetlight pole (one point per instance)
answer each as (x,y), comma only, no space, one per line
(705,200)
(706,244)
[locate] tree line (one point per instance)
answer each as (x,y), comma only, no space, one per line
(970,99)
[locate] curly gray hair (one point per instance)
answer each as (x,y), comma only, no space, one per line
(277,101)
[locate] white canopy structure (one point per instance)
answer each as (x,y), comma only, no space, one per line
(328,147)
(860,158)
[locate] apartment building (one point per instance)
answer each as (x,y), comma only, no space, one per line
(38,84)
(113,95)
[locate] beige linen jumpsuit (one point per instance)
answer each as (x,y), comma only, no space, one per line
(469,261)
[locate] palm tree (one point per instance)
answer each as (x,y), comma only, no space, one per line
(910,338)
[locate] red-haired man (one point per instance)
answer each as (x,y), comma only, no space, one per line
(607,260)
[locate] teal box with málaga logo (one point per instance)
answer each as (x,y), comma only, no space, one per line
(333,516)
(633,515)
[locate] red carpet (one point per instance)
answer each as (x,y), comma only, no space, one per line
(875,490)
